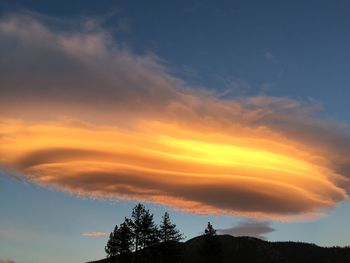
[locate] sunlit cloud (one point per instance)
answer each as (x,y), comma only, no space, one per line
(94,234)
(81,115)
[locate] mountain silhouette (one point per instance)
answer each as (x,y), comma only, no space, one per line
(229,249)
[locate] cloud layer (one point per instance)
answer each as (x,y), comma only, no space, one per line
(248,228)
(95,234)
(82,115)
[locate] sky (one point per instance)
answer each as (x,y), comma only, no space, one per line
(233,112)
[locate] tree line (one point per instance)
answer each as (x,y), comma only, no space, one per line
(140,231)
(139,240)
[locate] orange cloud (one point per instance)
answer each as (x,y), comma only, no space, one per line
(173,165)
(95,234)
(132,131)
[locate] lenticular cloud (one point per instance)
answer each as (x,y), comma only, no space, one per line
(95,120)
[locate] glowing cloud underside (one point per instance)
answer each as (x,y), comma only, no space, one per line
(170,165)
(81,115)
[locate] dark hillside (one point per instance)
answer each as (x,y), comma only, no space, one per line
(229,249)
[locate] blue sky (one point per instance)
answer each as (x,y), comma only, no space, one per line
(297,47)
(292,49)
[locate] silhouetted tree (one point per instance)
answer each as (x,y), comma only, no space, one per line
(120,240)
(149,231)
(211,249)
(125,237)
(209,231)
(136,224)
(139,234)
(168,231)
(170,235)
(112,246)
(145,231)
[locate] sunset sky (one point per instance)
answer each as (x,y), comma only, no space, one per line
(234,112)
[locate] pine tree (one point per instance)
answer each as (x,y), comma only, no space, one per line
(209,231)
(112,246)
(168,231)
(144,229)
(141,232)
(120,240)
(211,251)
(136,224)
(149,231)
(124,237)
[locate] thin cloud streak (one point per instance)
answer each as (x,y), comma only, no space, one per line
(94,234)
(96,120)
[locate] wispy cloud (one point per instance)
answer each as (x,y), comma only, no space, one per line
(82,115)
(94,234)
(124,25)
(266,86)
(231,87)
(249,228)
(269,56)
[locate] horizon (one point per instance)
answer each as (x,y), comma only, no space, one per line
(235,113)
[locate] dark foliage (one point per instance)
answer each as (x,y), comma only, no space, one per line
(211,247)
(168,230)
(209,231)
(112,244)
(138,240)
(136,225)
(120,240)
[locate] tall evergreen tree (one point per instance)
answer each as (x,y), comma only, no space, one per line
(171,252)
(149,231)
(141,232)
(168,231)
(136,224)
(112,246)
(120,240)
(144,229)
(125,237)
